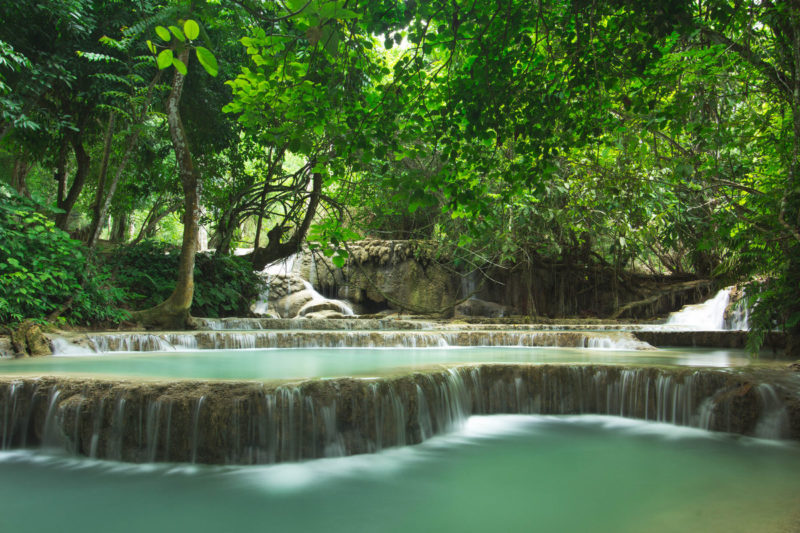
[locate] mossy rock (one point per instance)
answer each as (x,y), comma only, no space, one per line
(28,340)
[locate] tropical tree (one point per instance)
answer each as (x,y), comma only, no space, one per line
(180,42)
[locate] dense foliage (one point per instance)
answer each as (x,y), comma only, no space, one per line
(621,136)
(44,272)
(224,285)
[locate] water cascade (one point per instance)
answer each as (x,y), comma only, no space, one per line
(303,338)
(714,314)
(290,296)
(250,422)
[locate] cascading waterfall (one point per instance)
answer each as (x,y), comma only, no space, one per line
(318,300)
(137,342)
(261,306)
(249,423)
(711,314)
(708,315)
(775,422)
(284,300)
(130,342)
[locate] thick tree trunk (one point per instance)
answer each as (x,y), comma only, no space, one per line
(174,311)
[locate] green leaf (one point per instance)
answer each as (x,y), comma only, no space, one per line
(176,31)
(207,59)
(330,39)
(151,47)
(296,5)
(332,10)
(163,32)
(338,261)
(179,65)
(164,59)
(192,29)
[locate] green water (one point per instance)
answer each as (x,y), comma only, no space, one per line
(500,473)
(327,362)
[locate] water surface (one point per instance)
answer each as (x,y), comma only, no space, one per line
(499,473)
(288,363)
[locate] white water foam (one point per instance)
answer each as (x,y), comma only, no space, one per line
(708,315)
(63,348)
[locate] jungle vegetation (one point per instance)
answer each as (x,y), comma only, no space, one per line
(661,137)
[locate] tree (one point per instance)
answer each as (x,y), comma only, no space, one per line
(174,311)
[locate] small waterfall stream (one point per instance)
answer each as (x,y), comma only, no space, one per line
(290,296)
(303,338)
(715,314)
(224,423)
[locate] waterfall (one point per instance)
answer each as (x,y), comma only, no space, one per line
(291,295)
(711,314)
(302,338)
(261,306)
(249,423)
(318,301)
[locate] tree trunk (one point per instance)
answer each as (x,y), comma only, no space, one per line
(276,160)
(224,235)
(792,205)
(174,311)
(103,199)
(155,216)
(261,203)
(98,217)
(18,176)
(121,228)
(83,164)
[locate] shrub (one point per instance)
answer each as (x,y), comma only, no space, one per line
(43,270)
(223,285)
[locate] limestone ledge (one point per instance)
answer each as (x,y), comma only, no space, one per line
(254,422)
(165,341)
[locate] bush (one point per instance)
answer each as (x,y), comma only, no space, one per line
(223,285)
(43,270)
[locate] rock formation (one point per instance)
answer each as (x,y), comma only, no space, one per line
(247,422)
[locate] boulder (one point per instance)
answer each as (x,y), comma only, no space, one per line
(477,307)
(29,340)
(325,314)
(319,306)
(290,305)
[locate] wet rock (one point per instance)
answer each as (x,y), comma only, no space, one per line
(716,339)
(477,307)
(289,306)
(401,275)
(325,314)
(736,312)
(322,306)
